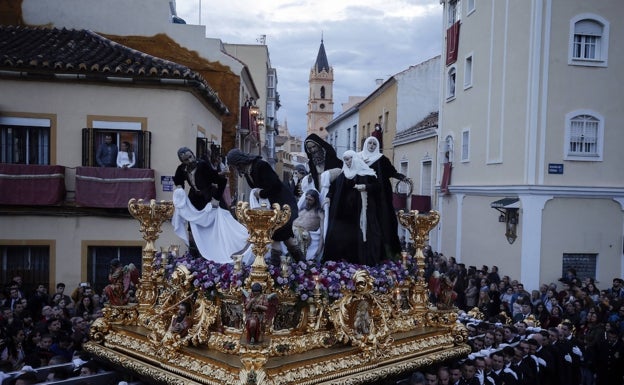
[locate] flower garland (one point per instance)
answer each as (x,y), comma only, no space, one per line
(302,277)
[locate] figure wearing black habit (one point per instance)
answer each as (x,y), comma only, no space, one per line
(385,170)
(353,232)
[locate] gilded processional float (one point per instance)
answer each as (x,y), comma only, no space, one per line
(268,325)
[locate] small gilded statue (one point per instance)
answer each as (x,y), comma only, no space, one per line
(181,322)
(362,322)
(259,311)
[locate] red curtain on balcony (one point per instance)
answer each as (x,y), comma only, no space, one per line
(25,184)
(112,187)
(452,43)
(422,203)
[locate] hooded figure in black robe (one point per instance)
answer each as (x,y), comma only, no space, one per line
(321,157)
(259,174)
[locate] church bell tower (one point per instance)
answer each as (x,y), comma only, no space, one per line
(321,97)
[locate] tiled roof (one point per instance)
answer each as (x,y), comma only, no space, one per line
(64,51)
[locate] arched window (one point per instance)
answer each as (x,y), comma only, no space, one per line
(450,83)
(323,92)
(589,40)
(584,136)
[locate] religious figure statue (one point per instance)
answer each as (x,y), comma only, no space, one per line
(121,279)
(181,322)
(257,313)
(362,322)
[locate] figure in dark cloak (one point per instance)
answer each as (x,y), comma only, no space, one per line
(384,169)
(354,234)
(321,157)
(207,185)
(260,175)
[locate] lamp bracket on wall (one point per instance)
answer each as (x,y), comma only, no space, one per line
(510,215)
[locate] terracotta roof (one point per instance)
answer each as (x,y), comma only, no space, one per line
(66,51)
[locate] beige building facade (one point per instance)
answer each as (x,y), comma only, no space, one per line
(160,109)
(531,176)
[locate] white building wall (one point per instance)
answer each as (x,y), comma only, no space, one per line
(417,92)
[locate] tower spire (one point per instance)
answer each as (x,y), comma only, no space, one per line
(321,58)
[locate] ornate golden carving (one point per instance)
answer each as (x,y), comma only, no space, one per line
(151,217)
(261,223)
(363,336)
(419,227)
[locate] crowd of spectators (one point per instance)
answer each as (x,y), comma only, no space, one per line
(39,330)
(568,332)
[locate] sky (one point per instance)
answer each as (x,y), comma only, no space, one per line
(364,40)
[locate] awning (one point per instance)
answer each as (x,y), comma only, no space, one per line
(506,203)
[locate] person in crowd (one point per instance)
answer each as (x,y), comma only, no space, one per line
(378,134)
(79,333)
(372,156)
(13,351)
(501,374)
(106,155)
(39,298)
(608,359)
(309,226)
(125,156)
(417,378)
(455,372)
(260,176)
(431,376)
(353,232)
(617,289)
(510,335)
(14,297)
(89,368)
(85,308)
(526,309)
(471,293)
(592,291)
(57,374)
(60,289)
(26,378)
(484,303)
(493,276)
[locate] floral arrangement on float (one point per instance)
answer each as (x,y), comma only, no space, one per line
(302,278)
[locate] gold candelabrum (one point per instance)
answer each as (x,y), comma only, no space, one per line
(151,217)
(419,226)
(261,223)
